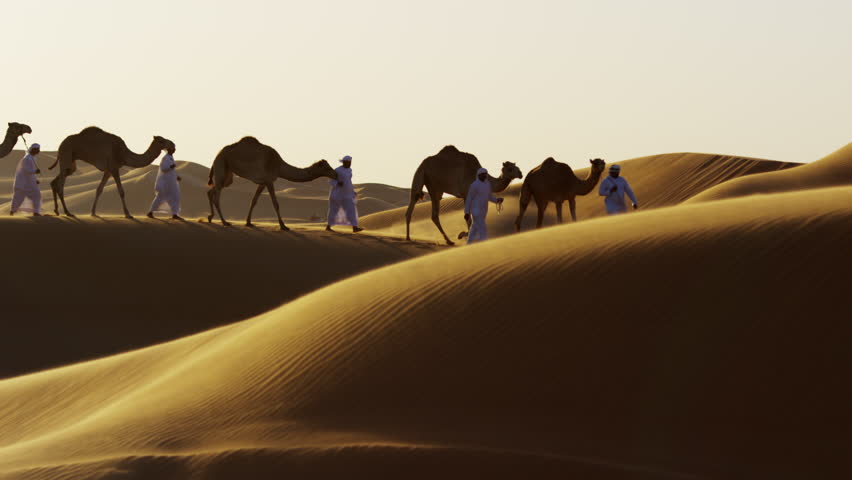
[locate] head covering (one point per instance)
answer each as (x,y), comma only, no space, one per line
(481,171)
(35,145)
(615,168)
(347,158)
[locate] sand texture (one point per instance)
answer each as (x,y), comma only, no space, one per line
(705,340)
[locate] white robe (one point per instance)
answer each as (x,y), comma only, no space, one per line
(167,198)
(614,201)
(27,195)
(476,204)
(341,199)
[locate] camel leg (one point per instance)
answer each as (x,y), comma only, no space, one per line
(572,204)
(436,210)
(411,204)
(53,188)
(116,175)
(542,206)
(99,191)
(558,211)
(217,195)
(58,187)
(271,189)
(253,203)
(522,208)
(210,199)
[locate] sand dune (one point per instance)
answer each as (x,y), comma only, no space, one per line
(831,170)
(91,287)
(299,201)
(701,341)
(658,180)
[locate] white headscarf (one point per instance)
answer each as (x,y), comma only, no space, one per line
(347,158)
(481,171)
(33,147)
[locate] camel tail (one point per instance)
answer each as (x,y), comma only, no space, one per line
(525,196)
(417,183)
(55,161)
(218,162)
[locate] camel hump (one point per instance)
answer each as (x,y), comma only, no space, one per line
(249,139)
(449,149)
(549,161)
(91,130)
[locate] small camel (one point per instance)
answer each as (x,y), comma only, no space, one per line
(262,165)
(13,131)
(555,182)
(106,152)
(451,171)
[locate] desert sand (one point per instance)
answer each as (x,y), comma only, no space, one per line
(697,340)
(90,287)
(299,201)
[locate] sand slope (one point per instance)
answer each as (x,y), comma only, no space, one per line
(658,180)
(831,170)
(79,289)
(702,341)
(299,201)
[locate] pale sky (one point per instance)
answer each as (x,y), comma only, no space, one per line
(392,81)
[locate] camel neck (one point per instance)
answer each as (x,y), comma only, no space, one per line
(137,160)
(587,185)
(9,143)
(498,184)
(295,174)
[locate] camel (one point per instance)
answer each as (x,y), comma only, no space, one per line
(14,131)
(451,171)
(555,182)
(106,152)
(261,164)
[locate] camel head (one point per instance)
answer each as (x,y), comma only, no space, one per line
(323,169)
(161,143)
(511,171)
(598,166)
(18,129)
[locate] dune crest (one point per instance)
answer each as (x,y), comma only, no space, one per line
(832,170)
(703,341)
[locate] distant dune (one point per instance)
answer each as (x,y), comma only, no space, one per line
(76,289)
(831,170)
(299,201)
(700,341)
(658,180)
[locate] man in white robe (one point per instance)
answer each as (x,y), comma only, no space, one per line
(167,197)
(476,206)
(613,189)
(27,196)
(341,198)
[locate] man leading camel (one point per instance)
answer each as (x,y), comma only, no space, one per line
(613,188)
(476,206)
(341,198)
(26,183)
(166,187)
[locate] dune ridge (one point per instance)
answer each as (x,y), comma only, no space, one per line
(701,341)
(658,180)
(832,170)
